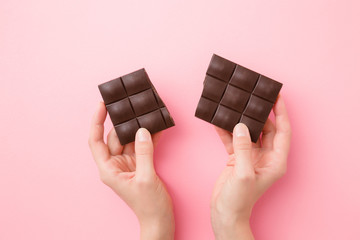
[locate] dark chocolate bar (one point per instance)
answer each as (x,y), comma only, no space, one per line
(233,94)
(132,102)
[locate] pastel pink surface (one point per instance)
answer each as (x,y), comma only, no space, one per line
(54,54)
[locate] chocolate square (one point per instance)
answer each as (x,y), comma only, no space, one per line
(126,131)
(153,121)
(136,82)
(255,127)
(233,94)
(226,118)
(206,109)
(235,98)
(213,88)
(167,118)
(244,78)
(258,109)
(221,68)
(120,111)
(267,88)
(133,102)
(112,91)
(144,102)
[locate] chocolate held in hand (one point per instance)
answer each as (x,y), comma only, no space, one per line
(132,102)
(234,94)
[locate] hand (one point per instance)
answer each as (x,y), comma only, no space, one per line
(250,171)
(129,171)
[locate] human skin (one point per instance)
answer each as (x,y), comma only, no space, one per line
(251,169)
(129,171)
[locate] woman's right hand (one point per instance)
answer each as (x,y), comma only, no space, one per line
(250,171)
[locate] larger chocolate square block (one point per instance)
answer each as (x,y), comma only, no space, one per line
(132,102)
(233,94)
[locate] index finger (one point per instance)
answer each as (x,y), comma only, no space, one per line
(283,129)
(226,138)
(99,149)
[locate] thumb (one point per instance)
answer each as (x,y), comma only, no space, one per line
(242,149)
(144,153)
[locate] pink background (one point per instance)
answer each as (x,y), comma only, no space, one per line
(53,54)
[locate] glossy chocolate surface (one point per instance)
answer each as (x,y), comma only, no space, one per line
(233,94)
(133,102)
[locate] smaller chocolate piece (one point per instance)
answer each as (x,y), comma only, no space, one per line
(233,94)
(133,102)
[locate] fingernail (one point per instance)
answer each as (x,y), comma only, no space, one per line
(240,130)
(143,135)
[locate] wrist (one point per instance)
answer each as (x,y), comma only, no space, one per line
(236,230)
(231,227)
(157,228)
